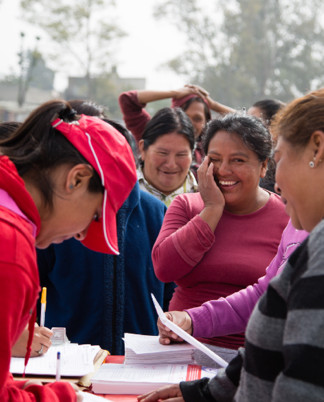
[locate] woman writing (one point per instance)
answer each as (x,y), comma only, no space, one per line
(118,287)
(218,241)
(61,176)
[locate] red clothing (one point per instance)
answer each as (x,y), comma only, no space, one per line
(136,118)
(19,283)
(134,114)
(207,265)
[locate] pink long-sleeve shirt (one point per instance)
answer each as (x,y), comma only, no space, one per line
(207,265)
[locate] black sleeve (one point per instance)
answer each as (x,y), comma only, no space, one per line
(220,388)
(233,370)
(196,391)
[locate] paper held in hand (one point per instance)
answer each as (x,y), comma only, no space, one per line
(185,336)
(146,349)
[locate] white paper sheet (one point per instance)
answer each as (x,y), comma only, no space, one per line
(76,361)
(143,344)
(87,397)
(185,336)
(135,380)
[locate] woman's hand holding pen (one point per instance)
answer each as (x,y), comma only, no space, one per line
(40,344)
(180,318)
(41,340)
(211,194)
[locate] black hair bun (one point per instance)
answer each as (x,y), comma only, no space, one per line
(67,114)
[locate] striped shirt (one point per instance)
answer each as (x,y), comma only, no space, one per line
(283,359)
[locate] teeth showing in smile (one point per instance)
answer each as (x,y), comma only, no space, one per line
(226,183)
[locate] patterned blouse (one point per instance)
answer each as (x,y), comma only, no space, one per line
(189,186)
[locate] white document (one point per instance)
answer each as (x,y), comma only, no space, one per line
(76,361)
(185,336)
(144,344)
(135,380)
(146,349)
(87,397)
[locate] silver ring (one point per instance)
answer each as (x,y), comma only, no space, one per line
(40,351)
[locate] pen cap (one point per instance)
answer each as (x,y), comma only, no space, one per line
(44,294)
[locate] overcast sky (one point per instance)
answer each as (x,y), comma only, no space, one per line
(133,60)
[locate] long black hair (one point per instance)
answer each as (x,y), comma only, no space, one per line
(36,148)
(167,121)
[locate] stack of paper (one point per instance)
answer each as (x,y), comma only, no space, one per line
(135,380)
(149,365)
(146,349)
(185,336)
(76,361)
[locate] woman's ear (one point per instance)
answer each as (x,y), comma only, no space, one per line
(141,149)
(78,176)
(317,144)
(264,168)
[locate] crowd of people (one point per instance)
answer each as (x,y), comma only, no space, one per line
(217,212)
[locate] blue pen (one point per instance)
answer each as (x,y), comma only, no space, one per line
(58,367)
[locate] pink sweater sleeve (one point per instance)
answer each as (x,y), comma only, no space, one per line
(182,242)
(134,114)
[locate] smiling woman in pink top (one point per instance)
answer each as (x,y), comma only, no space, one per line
(220,240)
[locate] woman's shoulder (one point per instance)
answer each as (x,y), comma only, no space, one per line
(316,239)
(188,198)
(275,210)
(192,203)
(17,241)
(275,201)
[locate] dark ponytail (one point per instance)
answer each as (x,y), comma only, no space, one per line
(36,148)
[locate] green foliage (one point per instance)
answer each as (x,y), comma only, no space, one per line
(79,34)
(243,51)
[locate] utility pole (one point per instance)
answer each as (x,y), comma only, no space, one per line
(21,62)
(26,62)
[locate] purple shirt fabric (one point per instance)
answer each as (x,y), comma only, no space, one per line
(230,315)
